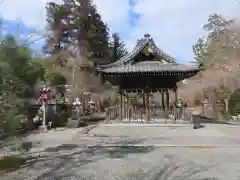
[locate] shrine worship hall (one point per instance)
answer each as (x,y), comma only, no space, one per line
(147,81)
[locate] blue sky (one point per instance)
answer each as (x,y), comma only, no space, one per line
(21,32)
(175,25)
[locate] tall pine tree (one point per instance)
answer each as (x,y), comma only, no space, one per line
(58,39)
(117,48)
(76,23)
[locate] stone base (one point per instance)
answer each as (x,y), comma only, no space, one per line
(43,128)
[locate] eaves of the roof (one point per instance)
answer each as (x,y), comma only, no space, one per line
(150,66)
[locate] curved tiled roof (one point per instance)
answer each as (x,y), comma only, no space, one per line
(150,66)
(125,64)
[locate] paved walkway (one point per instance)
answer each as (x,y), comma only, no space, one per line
(136,153)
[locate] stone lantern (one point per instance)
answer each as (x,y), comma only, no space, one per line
(179,103)
(77,105)
(92,105)
(44,100)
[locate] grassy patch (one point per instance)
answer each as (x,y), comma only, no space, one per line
(10,163)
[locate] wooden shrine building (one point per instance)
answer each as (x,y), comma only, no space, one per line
(147,69)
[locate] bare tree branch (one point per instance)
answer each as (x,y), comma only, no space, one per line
(33,37)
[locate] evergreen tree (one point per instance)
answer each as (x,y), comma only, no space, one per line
(199,50)
(98,39)
(217,26)
(117,48)
(77,23)
(217,47)
(18,75)
(219,40)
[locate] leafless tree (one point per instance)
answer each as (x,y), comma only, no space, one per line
(220,57)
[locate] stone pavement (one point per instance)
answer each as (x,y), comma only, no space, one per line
(136,153)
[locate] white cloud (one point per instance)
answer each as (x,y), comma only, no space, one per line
(175,25)
(32,13)
(115,13)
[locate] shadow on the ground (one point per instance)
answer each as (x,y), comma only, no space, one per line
(198,126)
(88,155)
(61,163)
(62,147)
(173,170)
(205,120)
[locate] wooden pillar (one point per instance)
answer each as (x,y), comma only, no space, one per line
(124,104)
(121,104)
(167,99)
(127,107)
(176,94)
(147,106)
(166,110)
(175,102)
(160,100)
(163,102)
(144,100)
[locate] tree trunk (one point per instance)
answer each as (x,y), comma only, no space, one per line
(82,77)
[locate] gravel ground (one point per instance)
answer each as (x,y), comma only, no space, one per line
(136,153)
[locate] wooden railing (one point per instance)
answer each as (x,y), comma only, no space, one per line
(130,113)
(112,113)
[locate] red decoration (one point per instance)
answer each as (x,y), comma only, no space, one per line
(45,95)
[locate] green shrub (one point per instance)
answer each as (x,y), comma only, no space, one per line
(234,103)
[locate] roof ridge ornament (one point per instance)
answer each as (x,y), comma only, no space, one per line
(147,36)
(142,41)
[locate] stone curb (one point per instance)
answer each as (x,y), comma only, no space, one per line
(162,145)
(146,125)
